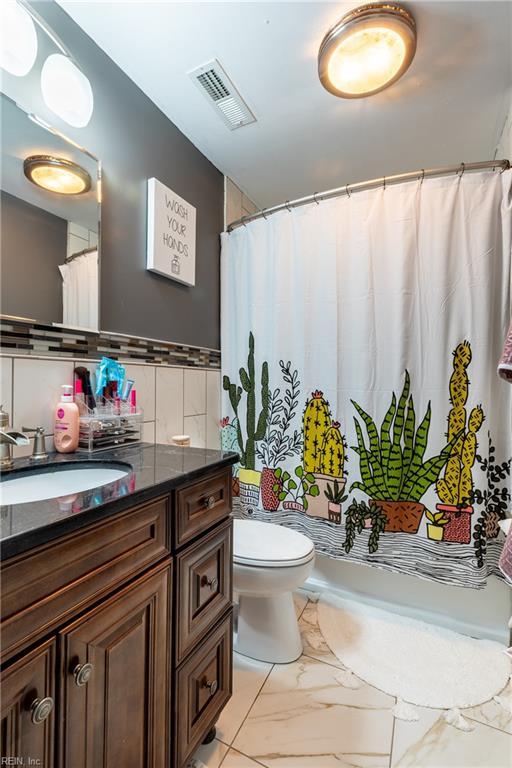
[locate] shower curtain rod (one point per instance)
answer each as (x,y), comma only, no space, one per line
(383,181)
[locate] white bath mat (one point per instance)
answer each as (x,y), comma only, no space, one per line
(419,663)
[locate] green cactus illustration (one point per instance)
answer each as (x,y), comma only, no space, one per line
(316,423)
(391,463)
(255,429)
(332,455)
(456,487)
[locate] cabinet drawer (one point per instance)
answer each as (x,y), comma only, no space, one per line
(202,504)
(204,587)
(37,595)
(28,712)
(203,687)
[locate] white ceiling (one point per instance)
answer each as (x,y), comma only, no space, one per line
(449,107)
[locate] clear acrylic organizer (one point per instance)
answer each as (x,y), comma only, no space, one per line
(109,425)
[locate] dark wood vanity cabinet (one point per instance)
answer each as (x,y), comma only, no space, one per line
(117,638)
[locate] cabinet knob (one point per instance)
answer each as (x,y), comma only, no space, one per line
(82,674)
(40,709)
(209,502)
(212,583)
(212,686)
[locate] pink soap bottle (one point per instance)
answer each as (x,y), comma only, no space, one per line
(67,418)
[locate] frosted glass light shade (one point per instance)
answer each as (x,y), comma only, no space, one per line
(367,50)
(18,39)
(66,90)
(57,174)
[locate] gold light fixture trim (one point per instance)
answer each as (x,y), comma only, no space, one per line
(56,174)
(367,50)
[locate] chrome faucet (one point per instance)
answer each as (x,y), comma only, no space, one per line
(8,438)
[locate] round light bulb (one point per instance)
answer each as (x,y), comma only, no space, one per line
(58,180)
(366,60)
(18,39)
(66,90)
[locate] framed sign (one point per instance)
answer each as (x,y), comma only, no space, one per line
(171,240)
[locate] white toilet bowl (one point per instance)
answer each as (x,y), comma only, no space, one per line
(269,563)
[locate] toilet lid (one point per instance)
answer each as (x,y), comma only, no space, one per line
(269,546)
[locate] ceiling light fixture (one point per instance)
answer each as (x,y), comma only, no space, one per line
(367,50)
(56,174)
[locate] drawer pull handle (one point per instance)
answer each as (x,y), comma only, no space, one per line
(40,709)
(82,674)
(212,686)
(212,583)
(209,502)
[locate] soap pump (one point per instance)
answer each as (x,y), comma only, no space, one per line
(67,422)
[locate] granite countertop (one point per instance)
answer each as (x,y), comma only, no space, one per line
(152,469)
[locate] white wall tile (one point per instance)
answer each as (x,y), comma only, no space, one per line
(233,201)
(248,206)
(36,391)
(169,404)
(195,426)
(148,432)
(6,384)
(213,409)
(76,244)
(194,392)
(78,230)
(145,383)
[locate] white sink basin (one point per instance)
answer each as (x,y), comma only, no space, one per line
(54,483)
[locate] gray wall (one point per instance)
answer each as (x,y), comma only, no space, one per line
(32,245)
(135,141)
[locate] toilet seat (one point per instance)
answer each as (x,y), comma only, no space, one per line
(267,545)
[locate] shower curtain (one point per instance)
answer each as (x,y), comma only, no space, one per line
(360,338)
(80,291)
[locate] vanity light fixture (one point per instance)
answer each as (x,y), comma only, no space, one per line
(57,174)
(18,39)
(367,50)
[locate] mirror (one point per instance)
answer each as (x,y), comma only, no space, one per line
(49,238)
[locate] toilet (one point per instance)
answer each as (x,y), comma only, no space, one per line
(269,563)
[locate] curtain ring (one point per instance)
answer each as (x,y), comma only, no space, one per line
(287,206)
(460,172)
(314,198)
(263,213)
(422,176)
(384,183)
(347,190)
(243,221)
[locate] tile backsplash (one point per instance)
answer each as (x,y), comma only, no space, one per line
(175,400)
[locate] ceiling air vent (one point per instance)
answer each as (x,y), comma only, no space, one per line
(222,94)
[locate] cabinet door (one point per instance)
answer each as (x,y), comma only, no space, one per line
(115,667)
(28,691)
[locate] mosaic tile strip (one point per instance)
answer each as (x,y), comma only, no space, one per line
(27,338)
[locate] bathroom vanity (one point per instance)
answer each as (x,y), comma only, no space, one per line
(117,613)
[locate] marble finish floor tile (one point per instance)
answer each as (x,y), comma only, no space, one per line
(313,641)
(209,755)
(304,718)
(494,714)
(235,759)
(433,743)
(300,601)
(248,677)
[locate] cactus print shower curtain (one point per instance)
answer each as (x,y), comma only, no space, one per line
(360,339)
